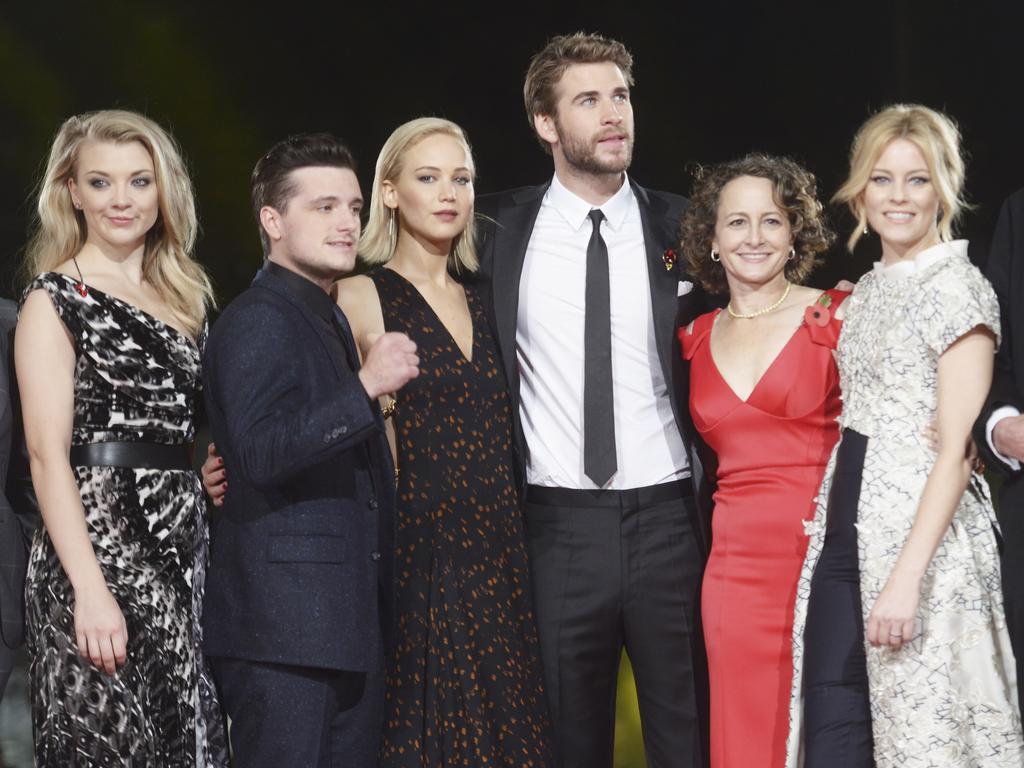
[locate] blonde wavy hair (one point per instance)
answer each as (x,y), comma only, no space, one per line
(167,262)
(938,138)
(377,245)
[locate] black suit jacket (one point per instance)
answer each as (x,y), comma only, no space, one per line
(300,558)
(506,222)
(19,510)
(1005,270)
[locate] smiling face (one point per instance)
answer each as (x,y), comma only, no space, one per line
(433,193)
(591,130)
(752,233)
(317,233)
(901,202)
(114,186)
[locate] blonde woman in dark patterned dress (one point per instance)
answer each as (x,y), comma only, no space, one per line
(107,354)
(464,684)
(901,652)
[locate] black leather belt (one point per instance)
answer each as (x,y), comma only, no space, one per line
(135,455)
(572,497)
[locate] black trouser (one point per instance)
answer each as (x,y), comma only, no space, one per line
(837,709)
(284,716)
(614,569)
(1011,522)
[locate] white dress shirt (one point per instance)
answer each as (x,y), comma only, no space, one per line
(549,348)
(998,415)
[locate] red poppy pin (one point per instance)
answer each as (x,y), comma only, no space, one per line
(668,258)
(818,313)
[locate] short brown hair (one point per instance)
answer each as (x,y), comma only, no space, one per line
(271,178)
(794,189)
(549,64)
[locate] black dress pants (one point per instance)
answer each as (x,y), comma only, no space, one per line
(614,570)
(284,716)
(837,708)
(1011,524)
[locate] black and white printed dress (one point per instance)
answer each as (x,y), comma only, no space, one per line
(136,379)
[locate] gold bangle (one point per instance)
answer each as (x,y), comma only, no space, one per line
(388,410)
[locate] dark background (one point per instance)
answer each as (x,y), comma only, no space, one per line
(714,80)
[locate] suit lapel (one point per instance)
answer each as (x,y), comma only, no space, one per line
(659,235)
(512,233)
(331,351)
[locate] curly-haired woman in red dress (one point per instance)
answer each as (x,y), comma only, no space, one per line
(764,394)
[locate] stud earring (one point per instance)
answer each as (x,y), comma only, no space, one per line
(866,230)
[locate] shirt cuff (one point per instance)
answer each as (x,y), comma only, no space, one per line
(998,415)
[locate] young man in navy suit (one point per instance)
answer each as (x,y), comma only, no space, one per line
(297,593)
(585,295)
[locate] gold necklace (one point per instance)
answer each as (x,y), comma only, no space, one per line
(758,313)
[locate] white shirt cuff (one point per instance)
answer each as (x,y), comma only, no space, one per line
(998,415)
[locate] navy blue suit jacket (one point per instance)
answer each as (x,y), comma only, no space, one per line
(300,557)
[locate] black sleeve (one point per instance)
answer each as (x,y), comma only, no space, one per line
(274,427)
(1006,254)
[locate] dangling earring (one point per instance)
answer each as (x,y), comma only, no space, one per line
(714,256)
(866,230)
(792,254)
(391,223)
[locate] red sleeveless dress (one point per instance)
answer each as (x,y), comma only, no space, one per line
(772,449)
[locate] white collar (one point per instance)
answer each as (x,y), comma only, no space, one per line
(907,267)
(575,210)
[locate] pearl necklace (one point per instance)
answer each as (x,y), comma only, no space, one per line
(758,313)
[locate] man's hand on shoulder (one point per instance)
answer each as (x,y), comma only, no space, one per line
(390,363)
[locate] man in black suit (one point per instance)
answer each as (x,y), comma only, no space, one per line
(999,431)
(586,293)
(298,587)
(19,509)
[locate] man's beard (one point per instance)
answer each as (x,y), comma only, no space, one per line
(581,154)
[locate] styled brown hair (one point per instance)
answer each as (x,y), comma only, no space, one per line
(938,138)
(549,64)
(272,183)
(794,190)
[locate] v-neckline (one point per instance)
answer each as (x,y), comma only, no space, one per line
(764,373)
(472,325)
(135,308)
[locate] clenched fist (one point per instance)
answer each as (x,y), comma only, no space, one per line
(389,364)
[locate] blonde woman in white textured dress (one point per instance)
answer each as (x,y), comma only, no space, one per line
(900,646)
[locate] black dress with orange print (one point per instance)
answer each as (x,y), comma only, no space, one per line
(464,686)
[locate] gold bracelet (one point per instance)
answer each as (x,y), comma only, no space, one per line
(388,410)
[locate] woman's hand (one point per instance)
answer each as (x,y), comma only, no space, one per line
(215,477)
(100,628)
(891,621)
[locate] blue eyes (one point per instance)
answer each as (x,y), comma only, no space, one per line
(915,180)
(430,179)
(140,182)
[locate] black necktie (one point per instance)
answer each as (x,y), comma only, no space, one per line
(345,332)
(598,405)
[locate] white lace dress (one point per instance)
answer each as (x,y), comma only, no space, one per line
(948,698)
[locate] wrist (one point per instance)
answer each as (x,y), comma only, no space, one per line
(88,583)
(369,385)
(908,573)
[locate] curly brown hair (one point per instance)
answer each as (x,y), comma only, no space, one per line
(795,193)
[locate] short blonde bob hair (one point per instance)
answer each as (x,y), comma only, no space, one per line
(377,245)
(938,138)
(167,263)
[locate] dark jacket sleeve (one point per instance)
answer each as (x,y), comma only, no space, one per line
(1006,255)
(257,380)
